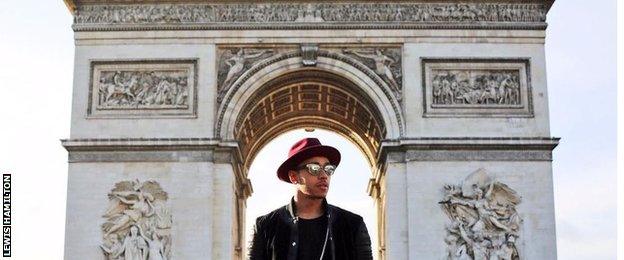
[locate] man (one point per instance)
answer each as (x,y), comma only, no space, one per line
(308,228)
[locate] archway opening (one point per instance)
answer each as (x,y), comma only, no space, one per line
(312,98)
(348,188)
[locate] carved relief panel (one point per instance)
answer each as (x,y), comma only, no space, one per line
(137,222)
(234,61)
(385,62)
(477,88)
(161,88)
(483,221)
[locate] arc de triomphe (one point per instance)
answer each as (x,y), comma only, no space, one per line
(447,99)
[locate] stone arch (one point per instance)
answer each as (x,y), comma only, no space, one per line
(362,78)
(309,99)
(372,114)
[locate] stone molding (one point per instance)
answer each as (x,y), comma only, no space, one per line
(310,16)
(152,150)
(468,149)
(141,156)
(144,144)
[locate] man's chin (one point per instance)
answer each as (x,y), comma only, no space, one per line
(316,196)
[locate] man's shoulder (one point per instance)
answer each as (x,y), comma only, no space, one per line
(273,215)
(343,213)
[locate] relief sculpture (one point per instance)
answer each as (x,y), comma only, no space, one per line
(484,223)
(475,87)
(234,62)
(309,13)
(142,88)
(139,89)
(137,222)
(385,62)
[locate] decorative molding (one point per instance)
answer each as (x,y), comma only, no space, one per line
(468,149)
(476,155)
(458,143)
(144,144)
(138,222)
(141,156)
(143,89)
(248,16)
(478,87)
(484,223)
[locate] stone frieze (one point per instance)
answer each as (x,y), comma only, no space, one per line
(310,13)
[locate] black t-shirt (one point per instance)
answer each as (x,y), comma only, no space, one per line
(311,238)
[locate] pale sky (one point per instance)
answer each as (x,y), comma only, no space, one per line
(36,61)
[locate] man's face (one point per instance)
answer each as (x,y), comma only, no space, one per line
(315,187)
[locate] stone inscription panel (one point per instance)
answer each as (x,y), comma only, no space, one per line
(137,89)
(477,88)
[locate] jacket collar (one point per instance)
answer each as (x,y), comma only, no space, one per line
(292,209)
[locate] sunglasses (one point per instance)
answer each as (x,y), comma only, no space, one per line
(315,168)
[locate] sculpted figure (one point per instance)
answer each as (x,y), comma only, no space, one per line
(140,206)
(134,246)
(382,64)
(237,63)
(112,247)
(155,247)
(479,245)
(138,214)
(483,218)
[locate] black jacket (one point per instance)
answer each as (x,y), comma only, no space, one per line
(275,235)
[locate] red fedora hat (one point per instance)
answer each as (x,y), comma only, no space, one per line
(304,149)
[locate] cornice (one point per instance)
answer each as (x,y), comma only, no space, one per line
(480,143)
(318,15)
(146,144)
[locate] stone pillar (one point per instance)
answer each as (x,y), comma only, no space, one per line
(396,215)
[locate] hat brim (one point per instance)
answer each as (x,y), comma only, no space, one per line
(332,154)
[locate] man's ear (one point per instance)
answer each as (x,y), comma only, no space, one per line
(292,176)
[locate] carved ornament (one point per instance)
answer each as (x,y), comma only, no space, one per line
(137,222)
(483,221)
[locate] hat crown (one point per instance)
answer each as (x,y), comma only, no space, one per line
(303,144)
